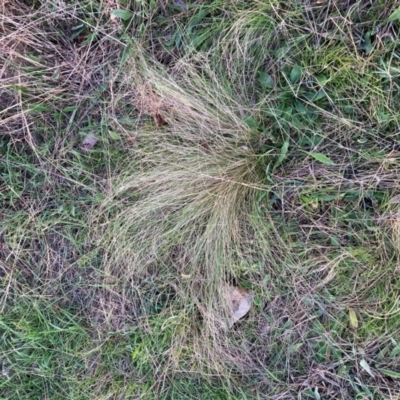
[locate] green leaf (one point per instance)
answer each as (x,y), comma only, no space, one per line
(282,156)
(300,107)
(114,135)
(353,319)
(331,197)
(367,45)
(394,15)
(70,108)
(392,374)
(32,108)
(18,88)
(128,51)
(296,73)
(321,158)
(267,172)
(315,96)
(250,122)
(196,20)
(395,352)
(265,80)
(198,40)
(79,26)
(123,14)
(322,79)
(312,394)
(90,38)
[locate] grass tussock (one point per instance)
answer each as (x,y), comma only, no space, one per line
(191,232)
(153,154)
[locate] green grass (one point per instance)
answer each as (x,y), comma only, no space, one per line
(152,155)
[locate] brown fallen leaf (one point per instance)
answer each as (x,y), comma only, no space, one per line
(88,142)
(239,302)
(159,119)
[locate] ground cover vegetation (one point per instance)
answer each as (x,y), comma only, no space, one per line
(153,152)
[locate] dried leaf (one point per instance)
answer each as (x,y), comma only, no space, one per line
(89,142)
(5,371)
(353,319)
(239,301)
(395,200)
(364,365)
(181,4)
(159,119)
(123,14)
